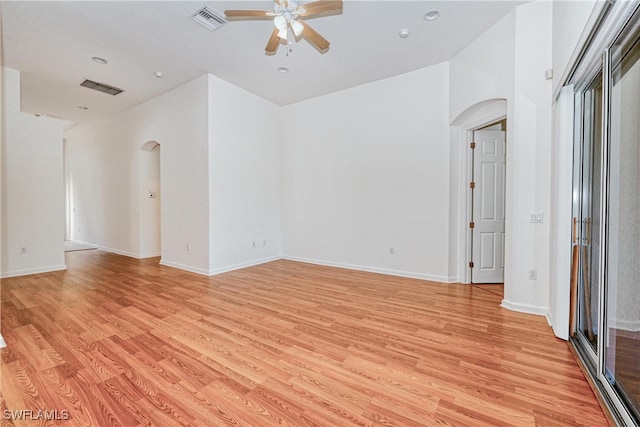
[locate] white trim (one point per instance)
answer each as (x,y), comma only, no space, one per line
(399,273)
(29,271)
(589,27)
(525,308)
(149,255)
(481,114)
(82,242)
(548,317)
(115,251)
(119,251)
(3,344)
(588,62)
(560,248)
(189,268)
(242,265)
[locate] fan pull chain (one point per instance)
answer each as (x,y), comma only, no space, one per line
(289,43)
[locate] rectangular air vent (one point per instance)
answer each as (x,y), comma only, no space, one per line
(101,87)
(209,18)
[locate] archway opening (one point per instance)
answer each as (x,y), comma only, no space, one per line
(481,115)
(150,205)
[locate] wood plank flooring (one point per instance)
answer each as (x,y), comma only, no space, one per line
(122,342)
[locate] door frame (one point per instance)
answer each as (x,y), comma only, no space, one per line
(477,116)
(146,193)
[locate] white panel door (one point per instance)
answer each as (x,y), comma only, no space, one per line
(488,207)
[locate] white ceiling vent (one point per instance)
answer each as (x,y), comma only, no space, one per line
(209,18)
(101,87)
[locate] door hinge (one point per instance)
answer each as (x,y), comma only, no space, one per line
(472,185)
(472,224)
(473,145)
(470,264)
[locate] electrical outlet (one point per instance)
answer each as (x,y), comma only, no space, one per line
(533,275)
(188,247)
(23,249)
(253,244)
(392,250)
(264,243)
(536,218)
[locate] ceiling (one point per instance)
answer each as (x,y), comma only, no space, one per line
(52,43)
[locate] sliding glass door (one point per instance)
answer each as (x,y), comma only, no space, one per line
(588,214)
(606,214)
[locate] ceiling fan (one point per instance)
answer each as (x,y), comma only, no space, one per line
(288,21)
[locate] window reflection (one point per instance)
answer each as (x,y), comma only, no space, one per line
(622,353)
(590,212)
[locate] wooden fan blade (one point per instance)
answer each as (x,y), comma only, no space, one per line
(314,38)
(273,43)
(246,15)
(321,8)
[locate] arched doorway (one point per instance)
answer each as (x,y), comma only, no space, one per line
(481,115)
(150,210)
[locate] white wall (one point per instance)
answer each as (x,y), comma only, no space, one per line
(366,169)
(103,159)
(220,178)
(508,62)
(101,166)
(245,178)
(530,161)
(484,69)
(32,187)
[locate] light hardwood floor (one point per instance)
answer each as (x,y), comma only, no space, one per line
(117,341)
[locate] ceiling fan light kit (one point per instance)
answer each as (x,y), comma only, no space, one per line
(288,22)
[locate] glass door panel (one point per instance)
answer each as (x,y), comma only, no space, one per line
(622,290)
(589,218)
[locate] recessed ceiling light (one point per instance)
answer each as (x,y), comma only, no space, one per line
(99,60)
(158,74)
(82,107)
(431,15)
(283,69)
(404,33)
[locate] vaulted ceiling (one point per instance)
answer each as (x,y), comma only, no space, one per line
(53,43)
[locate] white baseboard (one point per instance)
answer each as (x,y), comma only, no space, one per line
(399,273)
(149,255)
(525,308)
(242,265)
(119,251)
(25,272)
(82,242)
(188,268)
(3,344)
(115,251)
